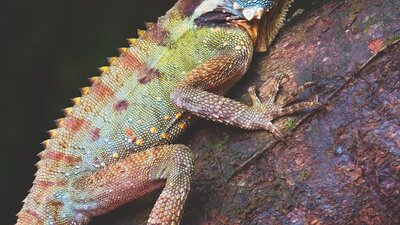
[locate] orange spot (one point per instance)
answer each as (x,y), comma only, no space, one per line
(179,115)
(139,142)
(153,130)
(74,124)
(115,155)
(164,136)
(129,132)
(102,90)
(167,117)
(182,125)
(376,45)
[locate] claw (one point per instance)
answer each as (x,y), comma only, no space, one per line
(274,130)
(309,84)
(254,98)
(295,93)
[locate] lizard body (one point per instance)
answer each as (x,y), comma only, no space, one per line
(115,143)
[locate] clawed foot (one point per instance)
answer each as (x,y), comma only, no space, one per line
(273,110)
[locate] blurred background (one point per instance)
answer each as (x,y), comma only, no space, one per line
(48,50)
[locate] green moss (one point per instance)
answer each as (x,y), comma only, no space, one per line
(241,213)
(290,124)
(304,175)
(221,144)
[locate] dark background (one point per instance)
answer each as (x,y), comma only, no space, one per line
(48,50)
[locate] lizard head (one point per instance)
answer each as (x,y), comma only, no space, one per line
(264,17)
(261,18)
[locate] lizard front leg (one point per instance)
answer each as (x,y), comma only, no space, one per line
(168,166)
(193,95)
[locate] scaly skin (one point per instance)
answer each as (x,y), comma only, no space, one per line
(115,143)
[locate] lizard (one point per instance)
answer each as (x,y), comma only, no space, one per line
(117,143)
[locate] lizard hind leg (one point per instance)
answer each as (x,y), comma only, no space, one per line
(168,166)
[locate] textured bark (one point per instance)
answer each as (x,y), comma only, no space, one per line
(339,165)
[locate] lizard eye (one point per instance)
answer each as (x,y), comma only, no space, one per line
(253,8)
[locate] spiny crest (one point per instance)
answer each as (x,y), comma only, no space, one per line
(141,32)
(59,122)
(67,111)
(52,133)
(86,90)
(131,41)
(76,100)
(112,60)
(122,50)
(45,143)
(93,80)
(149,25)
(103,69)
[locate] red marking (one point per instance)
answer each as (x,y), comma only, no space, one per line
(74,124)
(376,45)
(129,132)
(95,134)
(61,157)
(157,33)
(130,61)
(102,90)
(121,105)
(27,215)
(44,184)
(145,73)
